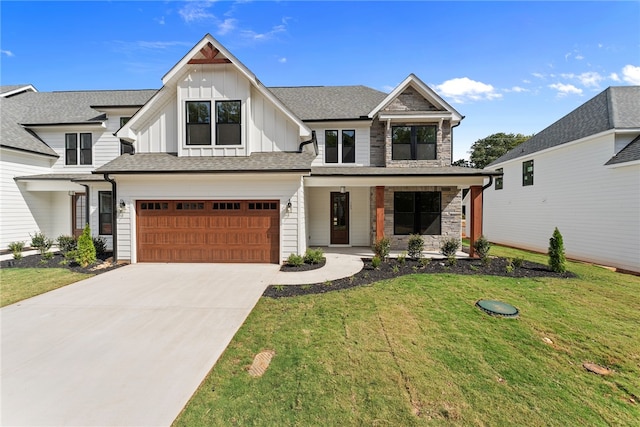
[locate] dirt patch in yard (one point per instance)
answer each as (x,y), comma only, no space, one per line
(394,268)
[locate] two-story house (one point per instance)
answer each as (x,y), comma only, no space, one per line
(216,167)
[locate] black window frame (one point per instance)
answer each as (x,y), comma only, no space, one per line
(348,153)
(499,181)
(527,175)
(105,213)
(196,123)
(228,127)
(78,149)
(414,143)
(409,217)
(70,149)
(330,150)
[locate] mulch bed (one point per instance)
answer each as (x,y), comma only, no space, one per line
(368,275)
(103,264)
(303,267)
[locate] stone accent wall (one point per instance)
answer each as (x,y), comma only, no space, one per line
(410,100)
(451,199)
(377,141)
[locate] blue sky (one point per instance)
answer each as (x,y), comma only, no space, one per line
(507,66)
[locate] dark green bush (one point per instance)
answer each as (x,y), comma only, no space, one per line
(449,249)
(100,244)
(67,244)
(86,252)
(415,246)
(295,260)
(313,256)
(16,249)
(381,248)
(482,248)
(557,260)
(41,242)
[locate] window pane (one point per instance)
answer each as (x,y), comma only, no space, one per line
(425,134)
(198,123)
(71,149)
(105,211)
(228,112)
(403,202)
(429,202)
(527,173)
(403,223)
(198,112)
(85,149)
(426,151)
(331,146)
(124,120)
(348,146)
(430,223)
(403,213)
(499,180)
(401,143)
(228,134)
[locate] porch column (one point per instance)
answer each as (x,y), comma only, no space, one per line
(379,213)
(475,193)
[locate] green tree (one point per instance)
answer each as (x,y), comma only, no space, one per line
(486,150)
(86,252)
(557,260)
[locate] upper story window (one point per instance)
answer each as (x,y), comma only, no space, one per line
(228,123)
(413,142)
(198,122)
(527,173)
(499,180)
(339,145)
(77,154)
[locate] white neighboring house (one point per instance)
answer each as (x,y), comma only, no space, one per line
(582,175)
(216,167)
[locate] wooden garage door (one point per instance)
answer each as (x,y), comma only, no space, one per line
(208,231)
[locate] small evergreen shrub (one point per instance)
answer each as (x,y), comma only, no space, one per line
(86,252)
(415,246)
(295,260)
(313,256)
(402,258)
(382,247)
(424,262)
(41,242)
(376,261)
(517,263)
(67,244)
(16,249)
(100,244)
(509,267)
(449,249)
(557,260)
(482,248)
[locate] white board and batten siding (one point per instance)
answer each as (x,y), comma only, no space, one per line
(595,207)
(362,142)
(284,188)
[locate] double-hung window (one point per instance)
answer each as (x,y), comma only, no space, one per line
(417,213)
(340,145)
(527,173)
(228,123)
(78,155)
(413,142)
(105,210)
(198,123)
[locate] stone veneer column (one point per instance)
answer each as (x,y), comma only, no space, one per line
(379,213)
(475,193)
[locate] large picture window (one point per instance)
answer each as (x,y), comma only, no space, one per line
(417,213)
(413,142)
(105,209)
(198,122)
(527,173)
(78,155)
(228,123)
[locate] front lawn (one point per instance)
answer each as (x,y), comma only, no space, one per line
(17,284)
(415,350)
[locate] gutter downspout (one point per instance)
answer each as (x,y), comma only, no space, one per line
(114,217)
(313,141)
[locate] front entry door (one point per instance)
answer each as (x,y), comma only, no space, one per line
(78,213)
(339,218)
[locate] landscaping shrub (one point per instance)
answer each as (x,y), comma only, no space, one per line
(86,252)
(415,246)
(482,248)
(67,244)
(41,242)
(100,244)
(557,260)
(376,261)
(517,262)
(381,248)
(16,249)
(295,260)
(402,258)
(449,249)
(313,256)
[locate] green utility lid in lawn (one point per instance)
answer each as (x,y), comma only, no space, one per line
(497,308)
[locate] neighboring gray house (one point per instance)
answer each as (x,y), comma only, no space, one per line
(216,167)
(582,175)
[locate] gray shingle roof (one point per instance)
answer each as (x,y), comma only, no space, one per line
(13,135)
(614,108)
(10,88)
(629,153)
(329,102)
(170,163)
(391,171)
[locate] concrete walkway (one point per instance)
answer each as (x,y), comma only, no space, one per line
(124,348)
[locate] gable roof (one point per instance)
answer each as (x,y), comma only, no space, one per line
(323,103)
(630,153)
(614,108)
(12,90)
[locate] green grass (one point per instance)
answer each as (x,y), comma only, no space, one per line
(17,284)
(415,351)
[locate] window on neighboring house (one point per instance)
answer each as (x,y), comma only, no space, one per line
(74,155)
(413,142)
(228,123)
(499,180)
(331,146)
(348,146)
(416,213)
(124,120)
(105,209)
(198,122)
(527,173)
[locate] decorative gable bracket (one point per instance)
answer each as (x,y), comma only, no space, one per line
(210,54)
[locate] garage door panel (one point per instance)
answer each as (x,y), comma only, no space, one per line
(205,231)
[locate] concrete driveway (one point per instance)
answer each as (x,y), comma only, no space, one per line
(124,348)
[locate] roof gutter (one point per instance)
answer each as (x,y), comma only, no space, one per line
(313,141)
(114,217)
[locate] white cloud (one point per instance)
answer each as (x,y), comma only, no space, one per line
(226,26)
(565,89)
(615,77)
(196,11)
(160,20)
(590,79)
(631,74)
(538,75)
(518,89)
(579,57)
(282,60)
(6,52)
(462,90)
